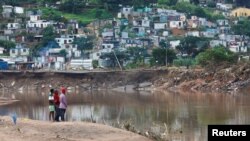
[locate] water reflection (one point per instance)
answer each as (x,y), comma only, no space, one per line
(186,112)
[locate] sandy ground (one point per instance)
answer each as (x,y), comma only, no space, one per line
(32,130)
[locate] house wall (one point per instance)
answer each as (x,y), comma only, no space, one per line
(13,26)
(145,23)
(174,44)
(222,22)
(241,12)
(18,10)
(7,9)
(193,33)
(159,26)
(63,41)
(1,50)
(238,49)
(38,24)
(35,17)
(176,24)
(214,43)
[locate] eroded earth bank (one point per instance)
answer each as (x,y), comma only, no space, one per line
(223,80)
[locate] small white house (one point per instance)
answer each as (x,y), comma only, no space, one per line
(18,10)
(160,26)
(214,43)
(35,18)
(13,26)
(107,34)
(176,24)
(126,11)
(224,7)
(237,47)
(165,33)
(222,22)
(19,51)
(1,50)
(7,8)
(81,64)
(38,24)
(174,44)
(107,47)
(193,33)
(64,40)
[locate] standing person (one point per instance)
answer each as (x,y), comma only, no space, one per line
(57,103)
(51,105)
(63,103)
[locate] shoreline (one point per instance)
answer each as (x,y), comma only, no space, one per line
(225,80)
(29,130)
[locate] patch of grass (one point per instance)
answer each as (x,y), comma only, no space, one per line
(85,17)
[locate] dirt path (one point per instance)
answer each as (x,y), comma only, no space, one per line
(31,130)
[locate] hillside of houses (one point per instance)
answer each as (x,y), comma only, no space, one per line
(143,36)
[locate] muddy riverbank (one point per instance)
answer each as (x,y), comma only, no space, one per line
(223,80)
(30,130)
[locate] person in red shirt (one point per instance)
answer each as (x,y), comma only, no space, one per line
(57,103)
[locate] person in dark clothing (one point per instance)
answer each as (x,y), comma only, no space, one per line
(51,105)
(57,103)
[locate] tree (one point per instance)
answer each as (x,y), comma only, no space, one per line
(113,5)
(48,35)
(242,27)
(159,56)
(163,44)
(72,6)
(84,43)
(138,54)
(195,2)
(189,45)
(200,12)
(63,53)
(216,56)
(245,3)
(7,45)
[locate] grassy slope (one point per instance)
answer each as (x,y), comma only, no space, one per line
(84,17)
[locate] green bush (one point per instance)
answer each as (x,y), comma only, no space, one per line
(95,63)
(216,56)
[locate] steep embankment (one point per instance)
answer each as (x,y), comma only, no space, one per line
(223,80)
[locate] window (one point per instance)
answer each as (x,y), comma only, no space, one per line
(98,54)
(103,46)
(109,46)
(58,41)
(13,51)
(24,50)
(70,41)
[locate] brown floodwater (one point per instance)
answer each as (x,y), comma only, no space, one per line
(185,114)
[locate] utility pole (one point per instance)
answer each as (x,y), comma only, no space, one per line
(166,57)
(117,60)
(114,39)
